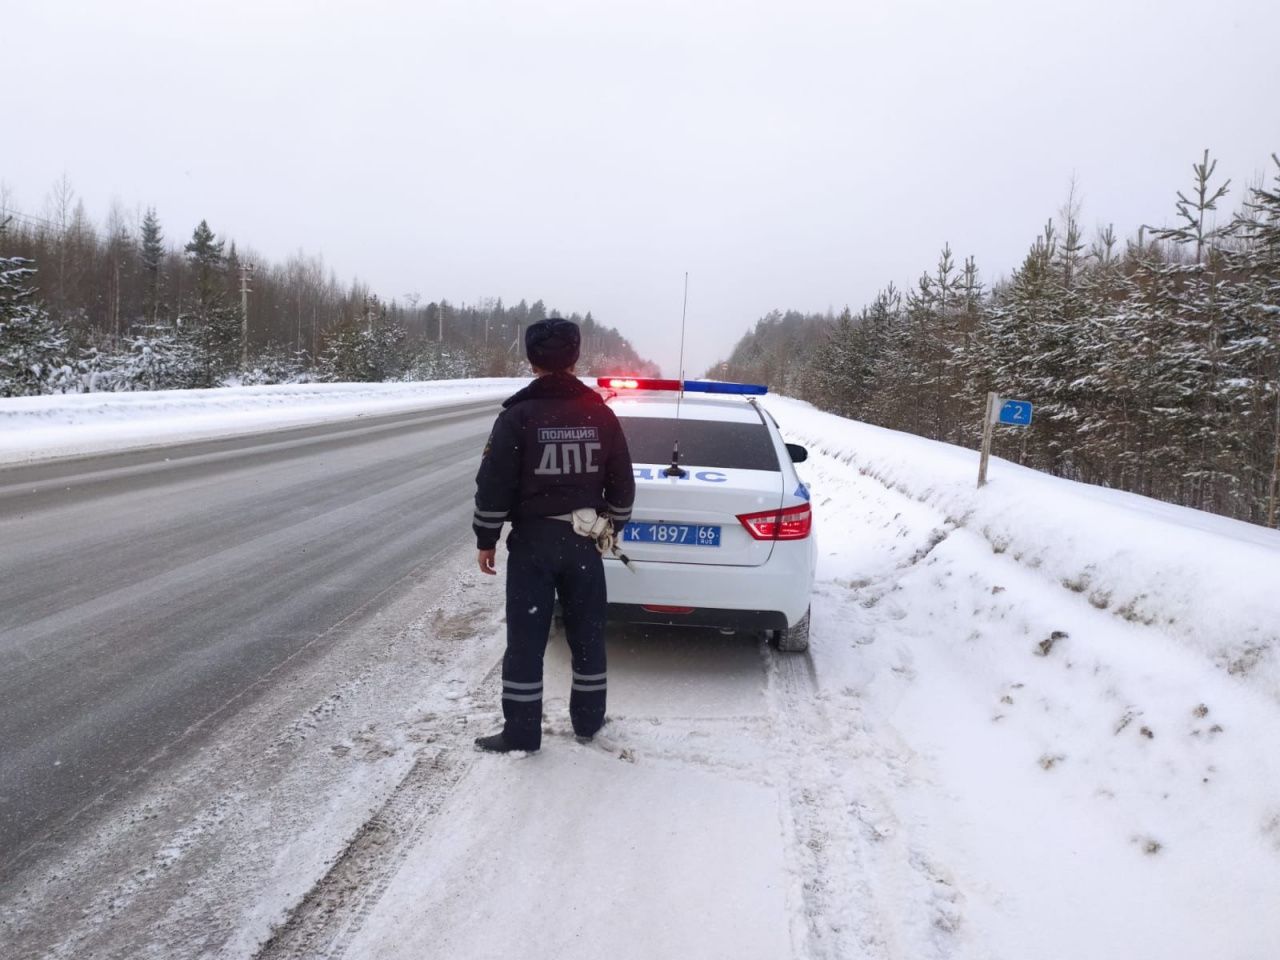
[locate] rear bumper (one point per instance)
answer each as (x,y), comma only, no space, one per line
(701,617)
(721,595)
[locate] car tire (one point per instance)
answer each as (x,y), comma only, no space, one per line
(795,638)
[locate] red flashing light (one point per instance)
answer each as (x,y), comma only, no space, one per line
(637,383)
(660,608)
(789,523)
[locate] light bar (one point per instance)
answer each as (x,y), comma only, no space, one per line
(690,386)
(717,386)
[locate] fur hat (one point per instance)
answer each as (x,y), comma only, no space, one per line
(552,344)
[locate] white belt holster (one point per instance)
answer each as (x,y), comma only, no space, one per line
(588,523)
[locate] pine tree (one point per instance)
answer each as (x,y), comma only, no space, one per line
(1200,300)
(205,253)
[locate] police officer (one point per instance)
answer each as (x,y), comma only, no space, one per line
(555,448)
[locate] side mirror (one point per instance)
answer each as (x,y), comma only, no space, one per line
(798,453)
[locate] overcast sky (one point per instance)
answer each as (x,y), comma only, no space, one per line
(786,154)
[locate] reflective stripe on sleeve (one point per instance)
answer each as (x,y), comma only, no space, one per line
(486,524)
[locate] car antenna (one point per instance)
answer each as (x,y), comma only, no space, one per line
(675,470)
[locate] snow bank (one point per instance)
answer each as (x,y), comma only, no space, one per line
(1210,582)
(38,428)
(1000,769)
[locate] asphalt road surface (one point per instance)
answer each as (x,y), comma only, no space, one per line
(146,597)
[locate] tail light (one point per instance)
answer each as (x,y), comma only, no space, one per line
(788,523)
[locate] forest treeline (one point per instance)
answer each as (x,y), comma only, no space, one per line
(121,306)
(1153,363)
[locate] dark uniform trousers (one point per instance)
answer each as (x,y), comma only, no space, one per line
(545,559)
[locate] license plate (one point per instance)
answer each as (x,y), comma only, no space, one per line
(676,534)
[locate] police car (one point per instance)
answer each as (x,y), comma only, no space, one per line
(725,539)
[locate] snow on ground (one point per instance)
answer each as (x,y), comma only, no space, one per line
(1037,720)
(38,428)
(1206,581)
(1047,750)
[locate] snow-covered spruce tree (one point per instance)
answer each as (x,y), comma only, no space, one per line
(348,356)
(1029,340)
(1101,397)
(34,350)
(933,312)
(435,361)
(1021,328)
(1252,350)
(275,364)
(1061,362)
(835,368)
(158,357)
(879,341)
(965,367)
(209,327)
(366,349)
(1201,301)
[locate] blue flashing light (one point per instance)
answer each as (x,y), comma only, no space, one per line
(717,386)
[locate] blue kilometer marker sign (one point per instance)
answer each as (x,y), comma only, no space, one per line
(1016,412)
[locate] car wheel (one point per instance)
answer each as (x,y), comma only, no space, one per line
(795,639)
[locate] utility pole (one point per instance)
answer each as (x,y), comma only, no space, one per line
(115,304)
(244,315)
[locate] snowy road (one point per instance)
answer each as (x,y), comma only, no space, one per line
(184,579)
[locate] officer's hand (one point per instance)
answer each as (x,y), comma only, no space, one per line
(488,561)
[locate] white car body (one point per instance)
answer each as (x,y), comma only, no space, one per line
(744,582)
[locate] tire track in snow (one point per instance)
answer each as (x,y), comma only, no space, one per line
(871,886)
(335,909)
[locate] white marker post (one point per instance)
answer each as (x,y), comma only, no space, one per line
(988,427)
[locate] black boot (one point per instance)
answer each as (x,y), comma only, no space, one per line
(582,736)
(497,743)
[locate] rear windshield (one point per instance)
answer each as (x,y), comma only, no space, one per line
(703,443)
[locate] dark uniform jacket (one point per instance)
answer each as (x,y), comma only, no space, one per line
(555,447)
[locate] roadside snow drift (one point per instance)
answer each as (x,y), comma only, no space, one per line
(1209,582)
(39,428)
